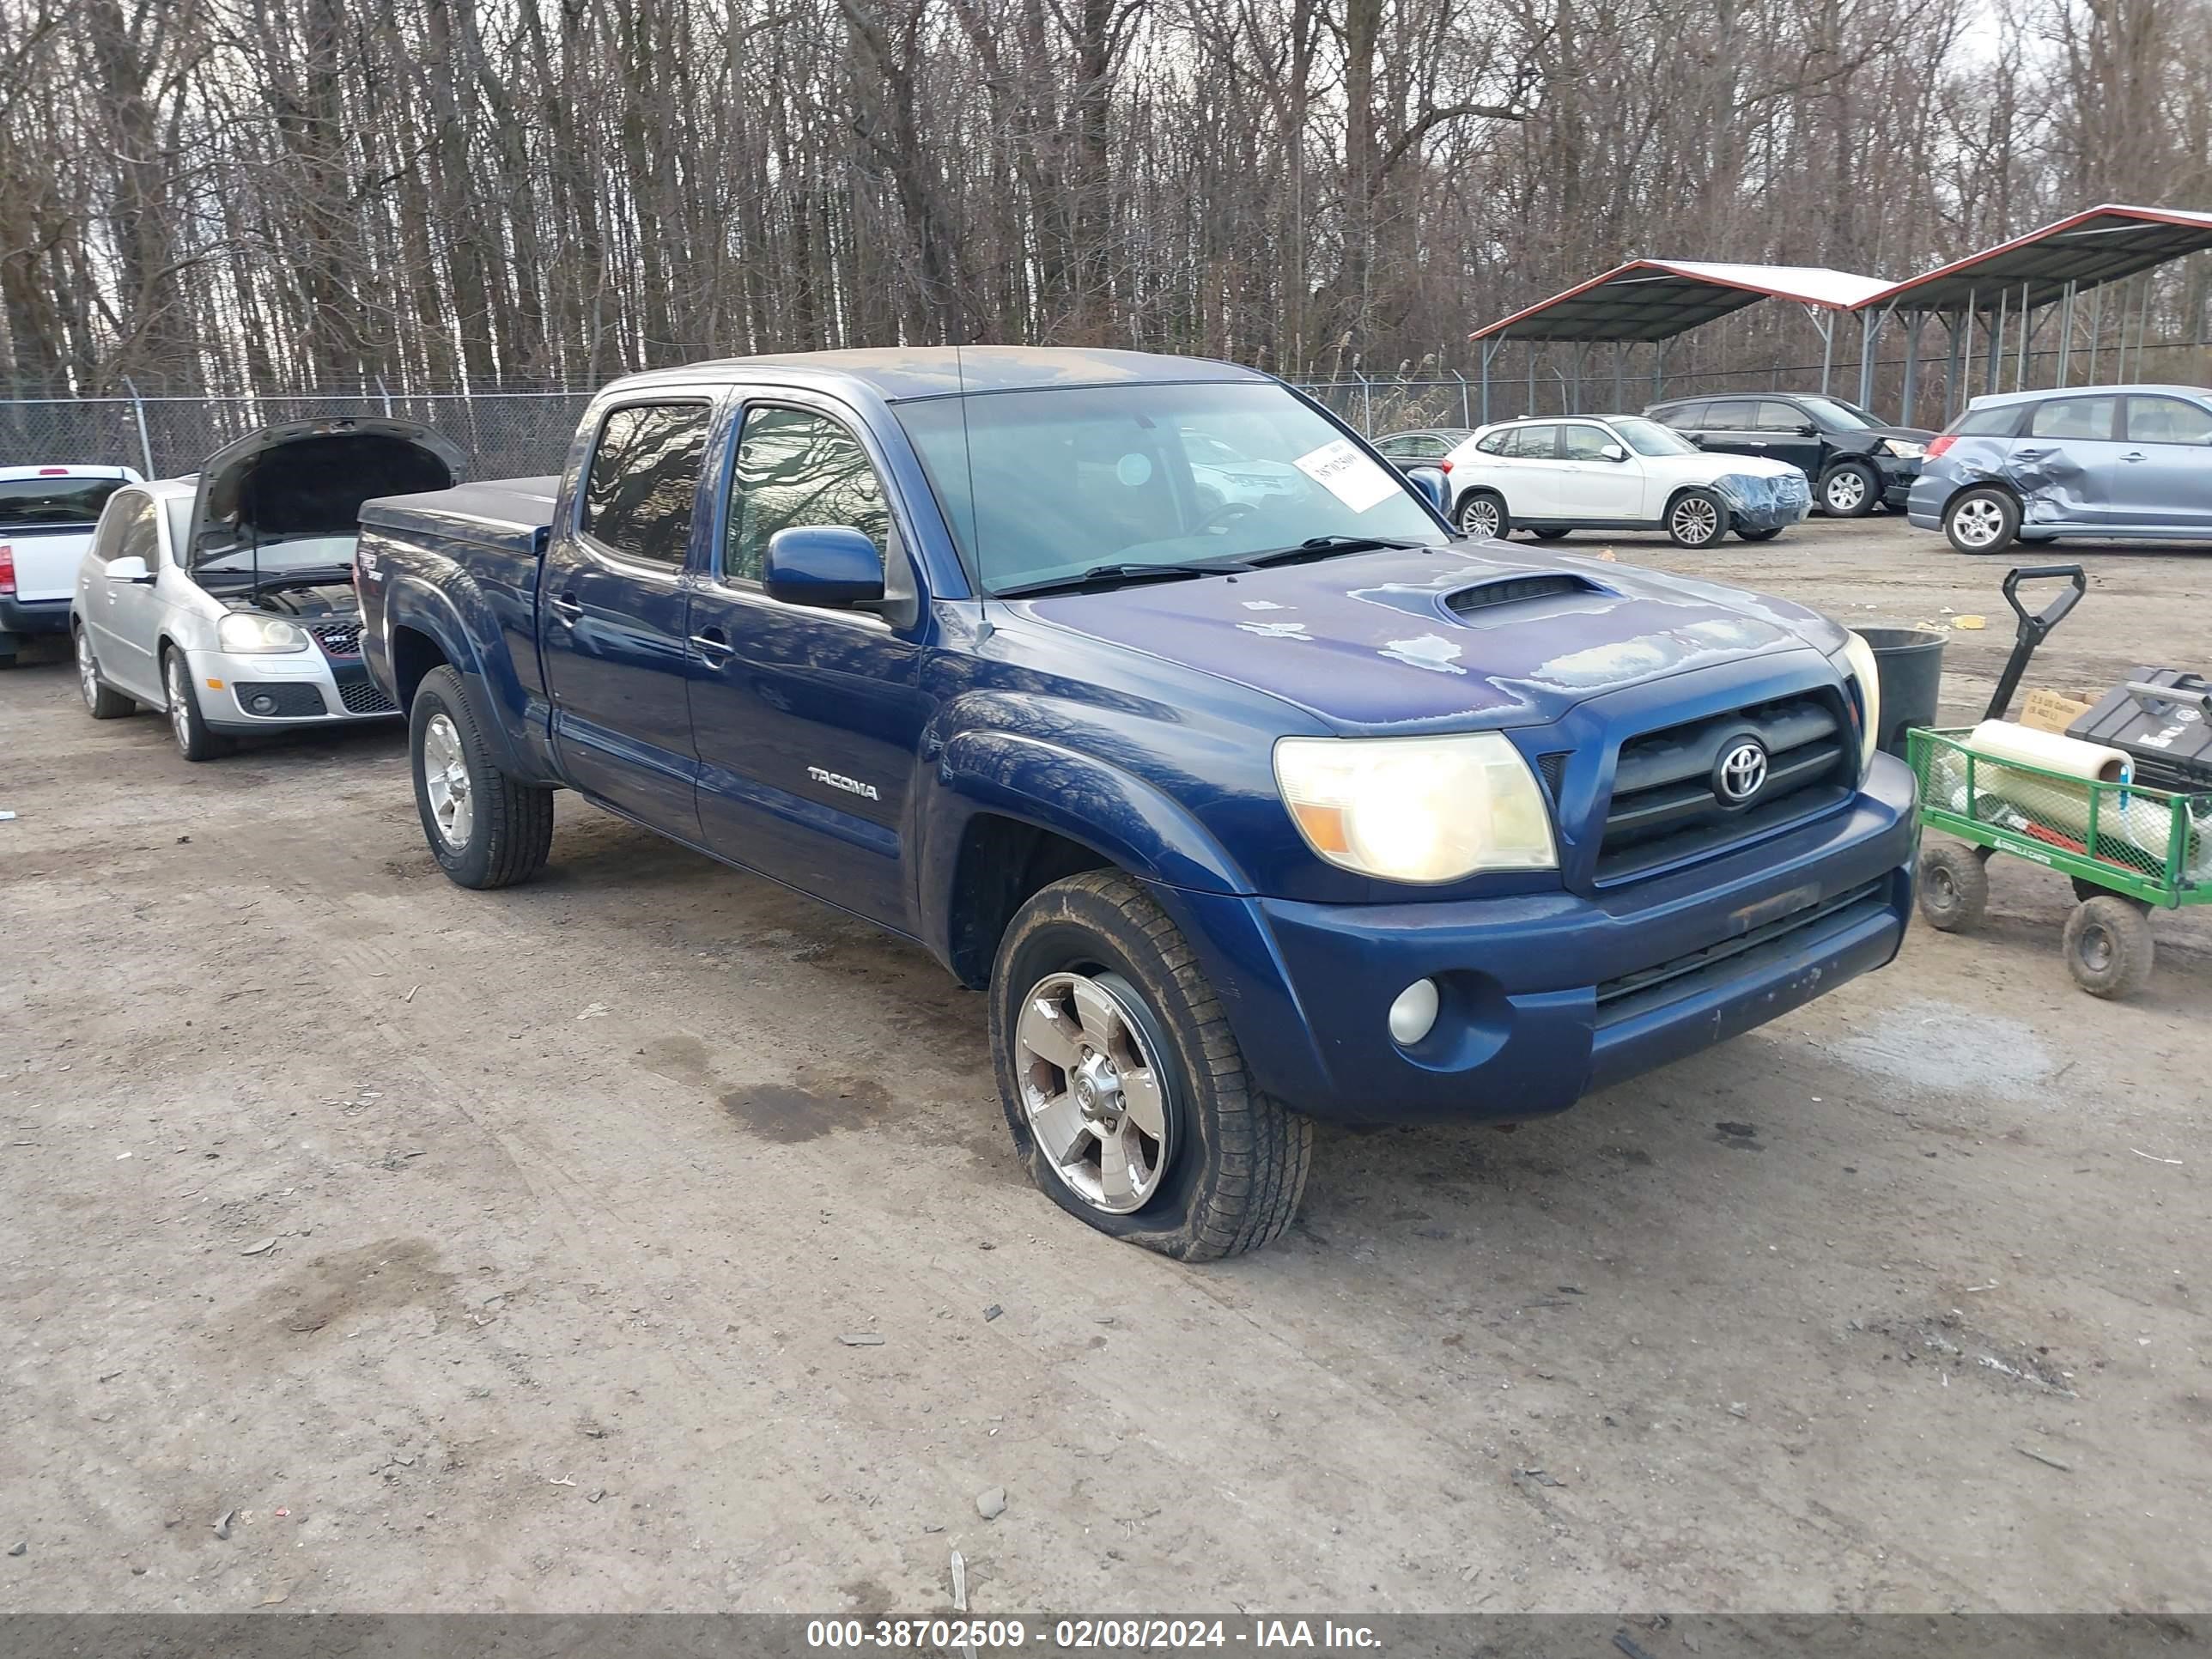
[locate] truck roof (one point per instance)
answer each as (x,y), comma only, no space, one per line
(898,373)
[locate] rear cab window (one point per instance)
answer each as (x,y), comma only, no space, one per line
(642,485)
(54,504)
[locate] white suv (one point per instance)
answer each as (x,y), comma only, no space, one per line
(1552,475)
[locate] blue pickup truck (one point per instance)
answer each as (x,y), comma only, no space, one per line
(1141,693)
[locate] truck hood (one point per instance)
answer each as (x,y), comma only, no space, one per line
(307,479)
(1458,636)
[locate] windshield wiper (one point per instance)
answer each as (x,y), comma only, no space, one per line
(1118,572)
(1322,547)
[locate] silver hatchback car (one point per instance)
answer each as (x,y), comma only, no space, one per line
(2119,462)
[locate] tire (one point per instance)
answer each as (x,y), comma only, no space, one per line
(1983,520)
(102,700)
(1482,514)
(1553,533)
(196,740)
(1090,966)
(1697,519)
(1955,887)
(1760,535)
(1849,489)
(2109,948)
(485,829)
(10,644)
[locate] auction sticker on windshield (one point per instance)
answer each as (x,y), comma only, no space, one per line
(1347,475)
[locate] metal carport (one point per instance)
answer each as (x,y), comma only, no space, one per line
(2016,280)
(1649,301)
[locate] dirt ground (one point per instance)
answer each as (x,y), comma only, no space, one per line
(493,1251)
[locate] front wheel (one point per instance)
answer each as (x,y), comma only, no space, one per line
(1982,520)
(1849,489)
(485,828)
(196,740)
(1955,887)
(2109,948)
(1123,1086)
(1553,533)
(1483,516)
(1760,535)
(1698,519)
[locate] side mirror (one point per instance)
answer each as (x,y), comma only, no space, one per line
(828,566)
(131,569)
(1612,451)
(1434,488)
(1806,429)
(1697,438)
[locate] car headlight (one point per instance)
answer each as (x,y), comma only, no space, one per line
(1855,662)
(1904,448)
(1417,809)
(243,631)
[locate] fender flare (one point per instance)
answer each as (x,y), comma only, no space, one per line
(411,602)
(1118,815)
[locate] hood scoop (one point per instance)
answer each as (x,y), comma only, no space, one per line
(1521,590)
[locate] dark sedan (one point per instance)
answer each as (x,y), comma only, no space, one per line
(1853,459)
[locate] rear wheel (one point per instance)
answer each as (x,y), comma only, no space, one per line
(102,700)
(1698,518)
(485,828)
(1849,489)
(2109,948)
(1982,520)
(7,644)
(1955,887)
(1483,516)
(1123,1086)
(196,740)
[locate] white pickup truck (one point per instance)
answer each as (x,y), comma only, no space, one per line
(46,520)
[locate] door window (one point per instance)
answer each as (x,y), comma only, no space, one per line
(1780,417)
(2075,417)
(1687,416)
(1730,416)
(107,539)
(643,479)
(797,470)
(2167,420)
(1537,443)
(141,537)
(1586,443)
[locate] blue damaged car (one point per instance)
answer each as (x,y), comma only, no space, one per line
(1242,812)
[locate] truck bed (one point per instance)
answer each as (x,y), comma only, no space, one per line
(508,513)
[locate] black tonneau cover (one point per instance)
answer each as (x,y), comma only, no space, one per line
(504,512)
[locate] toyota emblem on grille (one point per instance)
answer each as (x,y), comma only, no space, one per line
(1742,773)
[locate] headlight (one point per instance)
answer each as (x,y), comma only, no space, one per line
(1417,809)
(1856,662)
(241,631)
(1904,448)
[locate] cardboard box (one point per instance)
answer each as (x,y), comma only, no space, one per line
(2051,711)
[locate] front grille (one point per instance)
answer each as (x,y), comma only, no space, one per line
(338,639)
(1665,809)
(361,697)
(287,701)
(1695,970)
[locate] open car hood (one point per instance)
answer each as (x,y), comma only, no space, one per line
(308,479)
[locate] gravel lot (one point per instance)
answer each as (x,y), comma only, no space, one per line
(493,1251)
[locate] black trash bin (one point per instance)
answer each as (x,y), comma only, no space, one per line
(1909,666)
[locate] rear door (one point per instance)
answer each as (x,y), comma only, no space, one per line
(1596,487)
(612,604)
(125,617)
(46,521)
(1534,477)
(806,721)
(2164,471)
(1729,427)
(2066,462)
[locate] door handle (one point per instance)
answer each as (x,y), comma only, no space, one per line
(567,607)
(714,647)
(2135,455)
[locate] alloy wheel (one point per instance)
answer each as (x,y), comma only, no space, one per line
(1696,521)
(1977,523)
(180,710)
(88,671)
(1479,517)
(1095,1096)
(1846,491)
(446,778)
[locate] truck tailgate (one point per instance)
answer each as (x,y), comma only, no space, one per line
(47,560)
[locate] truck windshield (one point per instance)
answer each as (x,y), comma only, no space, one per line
(43,503)
(1045,484)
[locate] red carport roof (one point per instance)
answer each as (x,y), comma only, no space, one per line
(1648,299)
(2097,246)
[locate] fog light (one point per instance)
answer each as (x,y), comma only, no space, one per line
(1413,1015)
(262,704)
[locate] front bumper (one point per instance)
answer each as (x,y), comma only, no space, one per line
(33,615)
(1897,477)
(243,691)
(1762,503)
(1548,996)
